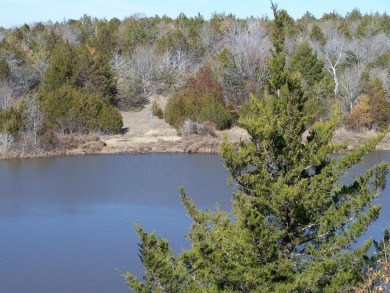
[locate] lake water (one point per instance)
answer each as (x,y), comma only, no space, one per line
(66,224)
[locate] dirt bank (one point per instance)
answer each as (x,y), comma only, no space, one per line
(145,133)
(354,139)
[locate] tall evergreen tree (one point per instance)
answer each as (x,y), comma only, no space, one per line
(94,74)
(305,61)
(315,83)
(292,222)
(61,69)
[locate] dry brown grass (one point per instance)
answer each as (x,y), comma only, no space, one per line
(354,139)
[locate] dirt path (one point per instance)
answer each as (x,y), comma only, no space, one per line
(145,133)
(142,128)
(142,123)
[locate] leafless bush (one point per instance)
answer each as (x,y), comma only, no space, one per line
(69,142)
(209,129)
(350,88)
(49,141)
(189,128)
(6,141)
(377,278)
(6,95)
(66,142)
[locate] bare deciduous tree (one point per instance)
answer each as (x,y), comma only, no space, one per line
(172,68)
(211,39)
(21,75)
(6,95)
(6,141)
(333,53)
(143,65)
(68,33)
(41,64)
(33,115)
(365,50)
(119,67)
(116,62)
(351,87)
(248,47)
(135,74)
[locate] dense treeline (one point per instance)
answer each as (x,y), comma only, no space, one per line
(73,76)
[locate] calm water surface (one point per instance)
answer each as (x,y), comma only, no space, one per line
(67,223)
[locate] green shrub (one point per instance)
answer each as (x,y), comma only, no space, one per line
(381,61)
(129,95)
(180,108)
(110,120)
(59,108)
(69,111)
(11,121)
(5,71)
(200,101)
(213,111)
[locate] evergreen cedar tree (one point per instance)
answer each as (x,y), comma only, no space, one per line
(5,71)
(292,224)
(78,91)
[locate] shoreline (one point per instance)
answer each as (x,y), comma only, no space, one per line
(145,133)
(207,145)
(174,144)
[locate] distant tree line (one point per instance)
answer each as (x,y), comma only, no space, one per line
(73,76)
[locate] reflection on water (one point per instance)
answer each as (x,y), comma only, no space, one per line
(67,223)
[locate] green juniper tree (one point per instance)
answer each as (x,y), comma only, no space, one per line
(293,222)
(62,68)
(5,71)
(305,61)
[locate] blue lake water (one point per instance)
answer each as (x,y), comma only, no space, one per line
(67,223)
